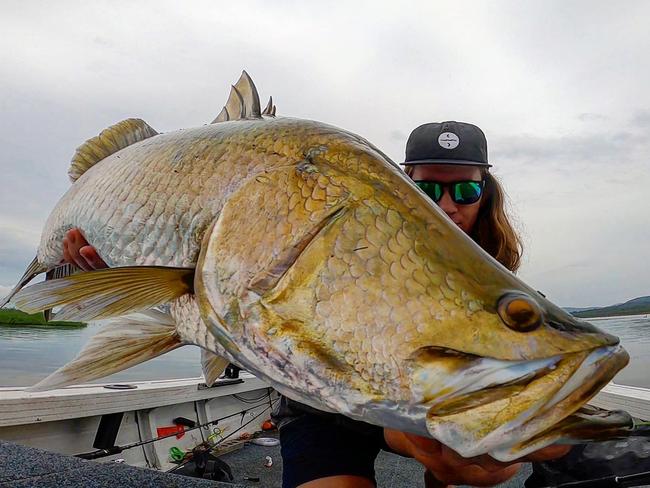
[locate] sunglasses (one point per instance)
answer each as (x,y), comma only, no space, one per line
(461,192)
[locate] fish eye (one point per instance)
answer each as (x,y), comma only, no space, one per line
(519,312)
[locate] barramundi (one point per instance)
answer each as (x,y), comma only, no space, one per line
(302,253)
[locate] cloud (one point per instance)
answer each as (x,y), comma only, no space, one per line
(4,290)
(591,117)
(580,151)
(559,89)
(641,119)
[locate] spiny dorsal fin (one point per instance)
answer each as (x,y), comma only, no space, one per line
(109,141)
(243,102)
(235,105)
(270,108)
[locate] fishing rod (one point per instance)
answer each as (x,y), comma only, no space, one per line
(175,468)
(639,428)
(100,453)
(629,480)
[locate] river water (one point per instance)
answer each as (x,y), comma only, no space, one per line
(28,354)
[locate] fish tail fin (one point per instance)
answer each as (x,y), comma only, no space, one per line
(120,344)
(212,365)
(34,269)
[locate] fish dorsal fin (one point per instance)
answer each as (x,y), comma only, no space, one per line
(108,142)
(243,102)
(270,108)
(235,107)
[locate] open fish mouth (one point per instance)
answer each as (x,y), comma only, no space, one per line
(511,408)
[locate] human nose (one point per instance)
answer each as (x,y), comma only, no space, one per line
(447,204)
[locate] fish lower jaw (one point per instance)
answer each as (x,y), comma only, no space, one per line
(555,421)
(517,424)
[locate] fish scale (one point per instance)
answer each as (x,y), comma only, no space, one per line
(301,252)
(100,196)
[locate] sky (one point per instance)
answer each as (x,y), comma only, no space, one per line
(560,89)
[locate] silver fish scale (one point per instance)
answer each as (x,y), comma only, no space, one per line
(150,203)
(191,328)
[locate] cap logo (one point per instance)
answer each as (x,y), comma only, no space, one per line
(448,140)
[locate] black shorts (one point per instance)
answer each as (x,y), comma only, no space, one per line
(317,445)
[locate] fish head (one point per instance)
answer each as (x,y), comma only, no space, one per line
(348,289)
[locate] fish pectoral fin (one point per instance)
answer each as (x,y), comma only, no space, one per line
(212,365)
(120,344)
(108,292)
(35,268)
(109,141)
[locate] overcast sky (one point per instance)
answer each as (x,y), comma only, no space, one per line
(560,88)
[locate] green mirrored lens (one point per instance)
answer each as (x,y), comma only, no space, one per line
(431,188)
(467,191)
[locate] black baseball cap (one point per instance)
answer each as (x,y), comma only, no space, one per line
(448,142)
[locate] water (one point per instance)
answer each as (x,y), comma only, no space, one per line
(28,354)
(634,332)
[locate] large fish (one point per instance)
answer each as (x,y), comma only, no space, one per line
(301,252)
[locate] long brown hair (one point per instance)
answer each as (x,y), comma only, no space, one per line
(493,230)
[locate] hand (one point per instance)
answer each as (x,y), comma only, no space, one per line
(449,467)
(77,251)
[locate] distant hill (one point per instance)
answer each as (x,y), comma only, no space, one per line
(576,309)
(640,305)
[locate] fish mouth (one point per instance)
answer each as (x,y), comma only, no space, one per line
(511,408)
(565,417)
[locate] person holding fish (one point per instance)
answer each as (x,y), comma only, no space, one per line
(448,162)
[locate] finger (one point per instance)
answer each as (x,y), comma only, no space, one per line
(74,241)
(76,258)
(66,252)
(452,458)
(550,452)
(425,445)
(477,476)
(490,464)
(77,237)
(91,256)
(474,475)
